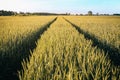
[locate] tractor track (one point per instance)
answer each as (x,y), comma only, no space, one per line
(9,70)
(112,52)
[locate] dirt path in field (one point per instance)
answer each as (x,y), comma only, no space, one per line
(113,53)
(8,69)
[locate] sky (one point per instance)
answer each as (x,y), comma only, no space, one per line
(62,6)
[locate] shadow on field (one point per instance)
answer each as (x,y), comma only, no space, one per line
(113,53)
(11,62)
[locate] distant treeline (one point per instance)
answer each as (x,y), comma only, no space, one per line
(116,14)
(12,13)
(7,13)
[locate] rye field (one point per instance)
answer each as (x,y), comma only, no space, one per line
(60,48)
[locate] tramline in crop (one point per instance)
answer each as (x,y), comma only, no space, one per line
(64,54)
(62,48)
(17,38)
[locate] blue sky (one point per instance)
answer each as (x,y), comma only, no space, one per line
(62,6)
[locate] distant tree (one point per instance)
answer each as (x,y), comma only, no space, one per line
(28,13)
(90,13)
(106,14)
(81,14)
(76,14)
(68,13)
(15,13)
(97,14)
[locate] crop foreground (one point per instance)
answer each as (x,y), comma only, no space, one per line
(60,48)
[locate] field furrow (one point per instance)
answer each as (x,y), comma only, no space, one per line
(62,53)
(17,39)
(106,29)
(113,52)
